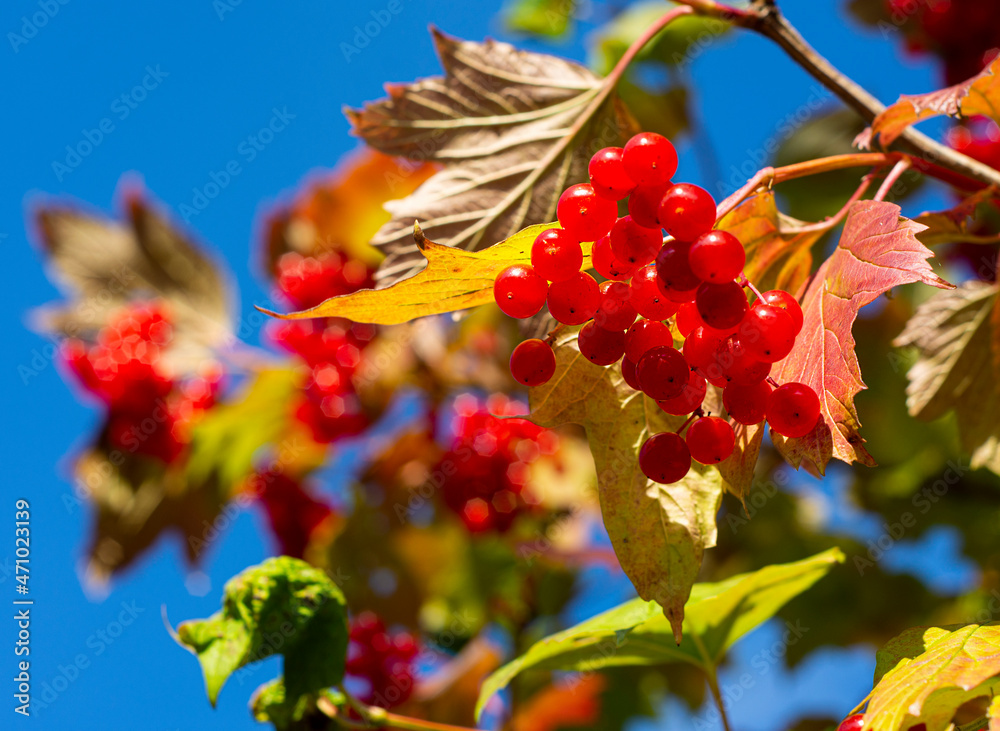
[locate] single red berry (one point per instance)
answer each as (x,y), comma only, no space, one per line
(664,458)
(555,255)
(647,295)
(679,297)
(601,346)
(793,409)
(643,205)
(628,373)
(662,372)
(721,306)
(649,159)
(688,318)
(519,291)
(747,404)
(852,723)
(634,244)
(573,301)
(615,311)
(645,335)
(710,439)
(686,211)
(717,256)
(781,299)
(532,363)
(607,264)
(768,332)
(584,214)
(738,365)
(689,399)
(673,268)
(701,347)
(608,176)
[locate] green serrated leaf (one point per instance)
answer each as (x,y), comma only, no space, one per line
(282,606)
(270,704)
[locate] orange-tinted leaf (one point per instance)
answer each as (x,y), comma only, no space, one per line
(877,251)
(575,703)
(978,95)
(952,225)
(738,470)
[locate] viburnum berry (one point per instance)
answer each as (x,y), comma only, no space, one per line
(384,660)
(615,311)
(645,335)
(608,176)
(717,256)
(532,363)
(738,365)
(701,347)
(710,439)
(628,373)
(852,723)
(665,458)
(649,159)
(573,301)
(601,346)
(555,255)
(643,205)
(768,332)
(688,318)
(721,306)
(607,264)
(307,280)
(584,214)
(662,372)
(673,268)
(747,404)
(520,291)
(690,397)
(793,409)
(781,299)
(647,296)
(686,211)
(634,244)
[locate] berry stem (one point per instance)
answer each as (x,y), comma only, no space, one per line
(897,171)
(773,382)
(744,282)
(694,415)
(375,717)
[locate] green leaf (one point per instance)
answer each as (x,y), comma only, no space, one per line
(925,674)
(636,633)
(270,704)
(282,606)
(659,532)
(548,18)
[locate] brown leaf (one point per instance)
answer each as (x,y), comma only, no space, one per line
(738,470)
(878,250)
(511,128)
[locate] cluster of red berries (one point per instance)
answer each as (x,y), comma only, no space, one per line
(331,347)
(486,466)
(148,408)
(695,278)
(965,33)
(382,660)
(294,514)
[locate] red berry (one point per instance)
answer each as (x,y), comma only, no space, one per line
(852,723)
(679,297)
(747,404)
(643,205)
(793,409)
(647,295)
(584,214)
(690,397)
(739,366)
(628,373)
(664,458)
(519,291)
(686,211)
(688,318)
(532,363)
(768,332)
(601,346)
(634,244)
(710,439)
(721,306)
(781,299)
(649,159)
(662,372)
(645,335)
(607,264)
(673,268)
(608,176)
(701,347)
(573,301)
(615,311)
(555,255)
(717,256)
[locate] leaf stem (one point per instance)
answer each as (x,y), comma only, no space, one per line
(637,45)
(898,169)
(713,681)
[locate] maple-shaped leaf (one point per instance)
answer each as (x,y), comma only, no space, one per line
(952,225)
(958,367)
(659,532)
(927,673)
(878,250)
(978,95)
(453,280)
(512,130)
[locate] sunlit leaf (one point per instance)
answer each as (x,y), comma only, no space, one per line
(546,18)
(952,225)
(271,704)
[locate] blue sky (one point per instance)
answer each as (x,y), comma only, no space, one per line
(215,74)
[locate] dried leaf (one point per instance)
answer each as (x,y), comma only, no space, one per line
(878,250)
(738,470)
(952,225)
(511,128)
(978,95)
